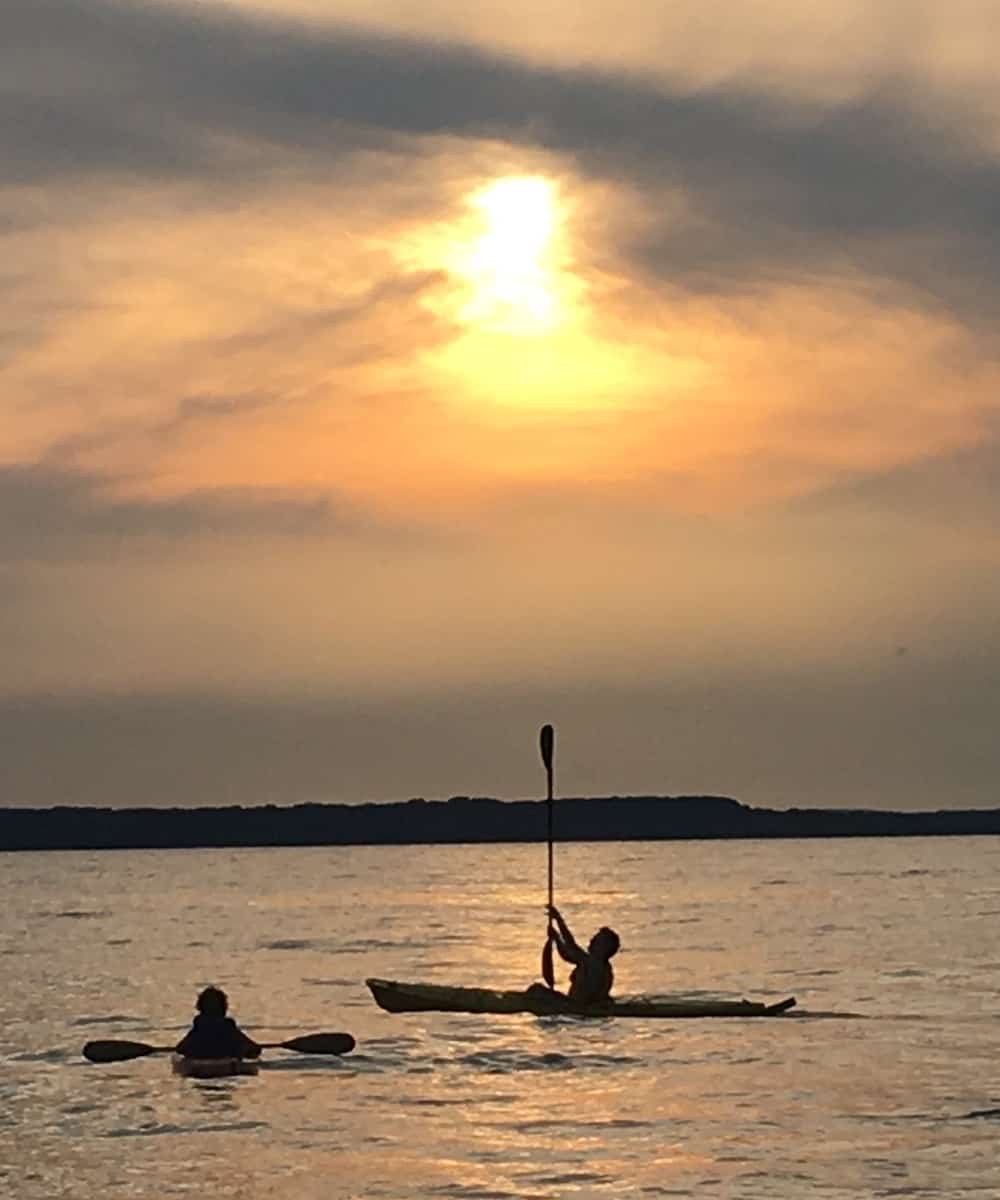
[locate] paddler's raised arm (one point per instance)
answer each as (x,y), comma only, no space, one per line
(563,940)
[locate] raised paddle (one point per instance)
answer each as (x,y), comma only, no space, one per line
(109,1051)
(547,745)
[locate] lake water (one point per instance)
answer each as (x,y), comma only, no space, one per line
(116,944)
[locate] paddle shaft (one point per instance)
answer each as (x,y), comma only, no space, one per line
(549,806)
(546,742)
(111,1050)
(547,745)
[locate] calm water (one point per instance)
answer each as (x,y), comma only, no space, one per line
(432,1105)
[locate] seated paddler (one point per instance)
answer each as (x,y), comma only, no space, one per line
(214,1034)
(592,978)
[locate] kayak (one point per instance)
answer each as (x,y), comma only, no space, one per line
(432,997)
(213,1068)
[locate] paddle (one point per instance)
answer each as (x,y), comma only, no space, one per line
(547,744)
(109,1051)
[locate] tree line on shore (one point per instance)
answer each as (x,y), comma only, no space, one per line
(462,819)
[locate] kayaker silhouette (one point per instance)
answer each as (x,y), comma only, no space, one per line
(592,978)
(214,1034)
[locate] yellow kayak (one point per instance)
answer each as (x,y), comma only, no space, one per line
(398,997)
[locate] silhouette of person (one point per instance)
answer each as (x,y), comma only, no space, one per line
(213,1034)
(592,977)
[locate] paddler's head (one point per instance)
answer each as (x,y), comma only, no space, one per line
(605,943)
(213,1002)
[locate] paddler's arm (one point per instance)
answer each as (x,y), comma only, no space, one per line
(564,941)
(184,1045)
(248,1047)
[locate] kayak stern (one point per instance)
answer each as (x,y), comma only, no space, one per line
(212,1068)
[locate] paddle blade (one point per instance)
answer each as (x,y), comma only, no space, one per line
(109,1051)
(321,1043)
(546,742)
(548,967)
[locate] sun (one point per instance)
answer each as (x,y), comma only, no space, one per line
(510,266)
(516,291)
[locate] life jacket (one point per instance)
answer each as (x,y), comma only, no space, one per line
(214,1037)
(591,981)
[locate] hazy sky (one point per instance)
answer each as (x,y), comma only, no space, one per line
(382,380)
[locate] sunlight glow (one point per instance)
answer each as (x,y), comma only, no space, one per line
(515,291)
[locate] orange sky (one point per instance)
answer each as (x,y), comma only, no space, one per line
(386,355)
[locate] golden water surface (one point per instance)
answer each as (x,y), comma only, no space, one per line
(116,944)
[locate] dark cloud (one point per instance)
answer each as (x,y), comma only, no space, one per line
(51,513)
(777,189)
(868,738)
(192,409)
(957,490)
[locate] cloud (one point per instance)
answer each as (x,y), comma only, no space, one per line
(774,188)
(957,494)
(194,409)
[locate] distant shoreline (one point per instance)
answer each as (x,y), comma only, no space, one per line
(464,819)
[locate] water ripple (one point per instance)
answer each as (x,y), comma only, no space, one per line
(168,1129)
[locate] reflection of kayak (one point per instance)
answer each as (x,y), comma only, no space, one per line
(213,1068)
(431,997)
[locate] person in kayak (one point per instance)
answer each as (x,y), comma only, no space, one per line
(592,977)
(214,1034)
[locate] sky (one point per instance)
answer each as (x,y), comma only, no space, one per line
(383,380)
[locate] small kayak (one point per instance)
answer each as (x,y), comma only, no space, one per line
(431,997)
(213,1068)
